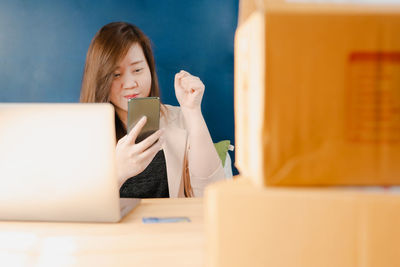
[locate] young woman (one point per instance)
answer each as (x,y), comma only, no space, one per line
(178,160)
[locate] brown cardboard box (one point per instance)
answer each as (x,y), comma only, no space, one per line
(317,93)
(248,225)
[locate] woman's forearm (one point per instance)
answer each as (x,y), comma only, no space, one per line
(203,158)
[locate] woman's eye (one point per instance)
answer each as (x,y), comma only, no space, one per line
(116,75)
(138,70)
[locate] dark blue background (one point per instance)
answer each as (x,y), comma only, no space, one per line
(43,45)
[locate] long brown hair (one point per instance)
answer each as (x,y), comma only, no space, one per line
(110,45)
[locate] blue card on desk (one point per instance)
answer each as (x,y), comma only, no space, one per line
(165,219)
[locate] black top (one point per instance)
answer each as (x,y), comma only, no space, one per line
(151,183)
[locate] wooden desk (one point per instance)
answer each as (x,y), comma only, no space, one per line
(128,243)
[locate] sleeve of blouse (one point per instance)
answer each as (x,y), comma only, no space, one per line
(199,183)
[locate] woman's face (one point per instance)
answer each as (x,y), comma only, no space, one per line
(132,78)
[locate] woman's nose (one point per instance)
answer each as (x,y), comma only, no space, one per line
(129,82)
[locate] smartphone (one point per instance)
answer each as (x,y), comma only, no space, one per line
(144,106)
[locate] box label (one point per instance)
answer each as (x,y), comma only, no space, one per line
(373,98)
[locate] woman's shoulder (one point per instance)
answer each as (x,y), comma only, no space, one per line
(172,109)
(173,114)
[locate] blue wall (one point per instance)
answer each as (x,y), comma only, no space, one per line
(43,45)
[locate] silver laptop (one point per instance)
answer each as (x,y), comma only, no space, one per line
(57,163)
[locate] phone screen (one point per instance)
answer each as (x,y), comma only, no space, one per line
(145,106)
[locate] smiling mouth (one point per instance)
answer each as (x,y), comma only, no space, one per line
(131,96)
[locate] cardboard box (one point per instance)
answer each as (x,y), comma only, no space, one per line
(317,92)
(248,225)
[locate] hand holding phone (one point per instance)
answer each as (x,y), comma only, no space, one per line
(131,157)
